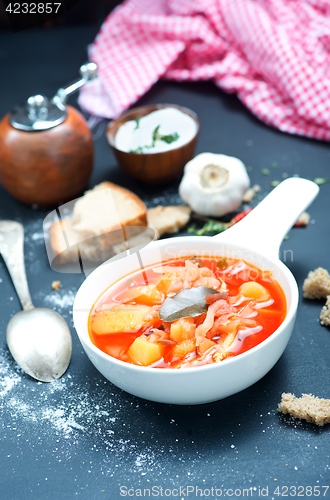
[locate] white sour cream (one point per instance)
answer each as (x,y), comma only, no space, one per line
(133,135)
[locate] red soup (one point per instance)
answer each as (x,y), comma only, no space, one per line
(187,312)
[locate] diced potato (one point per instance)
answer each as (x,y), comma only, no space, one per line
(164,284)
(182,329)
(254,290)
(148,295)
(143,352)
(183,348)
(205,345)
(170,276)
(118,318)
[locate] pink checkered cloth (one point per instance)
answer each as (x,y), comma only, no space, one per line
(275,54)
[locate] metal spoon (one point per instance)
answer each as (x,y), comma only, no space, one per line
(38,338)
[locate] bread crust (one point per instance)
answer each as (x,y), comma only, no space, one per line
(168,220)
(80,236)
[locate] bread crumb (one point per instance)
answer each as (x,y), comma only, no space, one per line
(325,313)
(304,219)
(317,284)
(307,407)
(56,285)
(250,193)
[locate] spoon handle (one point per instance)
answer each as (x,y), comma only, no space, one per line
(265,227)
(11,249)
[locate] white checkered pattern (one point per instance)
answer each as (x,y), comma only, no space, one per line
(275,54)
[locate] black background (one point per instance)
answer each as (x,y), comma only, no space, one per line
(81,437)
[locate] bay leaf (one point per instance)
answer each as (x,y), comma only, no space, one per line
(188,303)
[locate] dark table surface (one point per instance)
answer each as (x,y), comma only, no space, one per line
(81,437)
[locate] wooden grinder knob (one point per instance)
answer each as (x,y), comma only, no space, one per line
(46,147)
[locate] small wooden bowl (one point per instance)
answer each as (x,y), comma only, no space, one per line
(153,168)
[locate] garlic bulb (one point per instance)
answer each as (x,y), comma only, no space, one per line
(214,184)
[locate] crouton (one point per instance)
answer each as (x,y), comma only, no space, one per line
(168,220)
(317,284)
(304,219)
(56,285)
(250,193)
(325,313)
(307,407)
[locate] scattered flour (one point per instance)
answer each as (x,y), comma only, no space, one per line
(73,411)
(38,237)
(59,300)
(34,233)
(7,379)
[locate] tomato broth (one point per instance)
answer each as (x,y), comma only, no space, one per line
(243,306)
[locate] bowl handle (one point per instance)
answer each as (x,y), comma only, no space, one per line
(264,228)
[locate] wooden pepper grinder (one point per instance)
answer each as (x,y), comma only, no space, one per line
(46,147)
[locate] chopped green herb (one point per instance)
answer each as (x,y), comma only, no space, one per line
(211,227)
(169,138)
(192,229)
(275,183)
(275,165)
(156,136)
(137,120)
(286,237)
(137,150)
(321,180)
(265,171)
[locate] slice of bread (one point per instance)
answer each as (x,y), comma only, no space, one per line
(98,222)
(107,207)
(307,407)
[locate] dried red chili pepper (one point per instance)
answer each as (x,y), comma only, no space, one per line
(241,215)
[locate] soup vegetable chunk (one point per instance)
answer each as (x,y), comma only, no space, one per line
(188,312)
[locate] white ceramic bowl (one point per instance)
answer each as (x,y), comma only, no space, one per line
(256,239)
